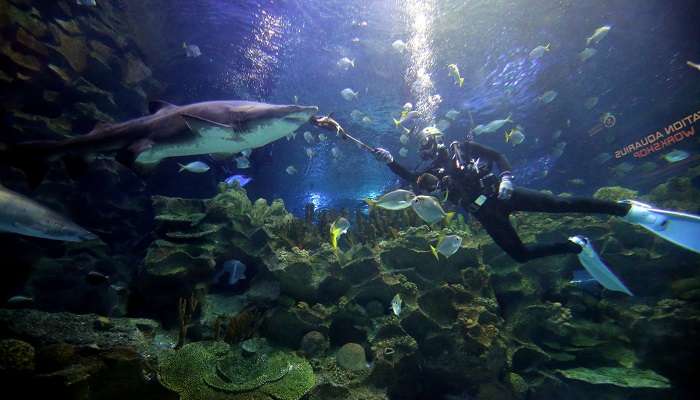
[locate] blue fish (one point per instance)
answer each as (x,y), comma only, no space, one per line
(241,179)
(235,270)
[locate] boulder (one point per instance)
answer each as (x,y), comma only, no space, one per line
(352,356)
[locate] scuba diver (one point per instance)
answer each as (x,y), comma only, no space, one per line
(463,174)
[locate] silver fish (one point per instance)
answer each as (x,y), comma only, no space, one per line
(548,96)
(429,209)
(20,301)
(235,270)
(242,162)
(396,303)
(395,200)
(196,167)
(449,245)
(492,126)
(598,35)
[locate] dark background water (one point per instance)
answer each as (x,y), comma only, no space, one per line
(274,50)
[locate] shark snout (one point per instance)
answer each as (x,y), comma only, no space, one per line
(301,113)
(310,109)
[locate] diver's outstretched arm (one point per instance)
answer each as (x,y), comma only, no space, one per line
(384,155)
(401,171)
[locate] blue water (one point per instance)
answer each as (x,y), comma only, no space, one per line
(274,50)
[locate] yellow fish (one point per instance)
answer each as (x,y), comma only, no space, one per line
(454,72)
(338,228)
(435,253)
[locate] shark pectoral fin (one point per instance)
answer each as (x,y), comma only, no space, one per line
(196,124)
(208,128)
(158,105)
(128,155)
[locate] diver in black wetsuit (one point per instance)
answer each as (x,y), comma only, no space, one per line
(464,173)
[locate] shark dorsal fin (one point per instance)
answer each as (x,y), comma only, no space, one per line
(156,105)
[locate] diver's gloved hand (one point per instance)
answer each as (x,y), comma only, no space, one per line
(505,189)
(383,155)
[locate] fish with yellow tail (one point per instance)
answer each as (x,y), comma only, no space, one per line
(447,246)
(515,136)
(339,227)
(454,72)
(405,117)
(428,208)
(492,126)
(395,200)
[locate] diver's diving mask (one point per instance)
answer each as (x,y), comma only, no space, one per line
(431,146)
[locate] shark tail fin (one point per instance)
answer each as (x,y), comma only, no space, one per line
(461,82)
(182,167)
(352,62)
(548,47)
(509,117)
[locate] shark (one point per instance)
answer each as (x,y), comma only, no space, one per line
(221,127)
(24,216)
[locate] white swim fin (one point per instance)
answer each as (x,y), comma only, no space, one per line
(595,266)
(676,227)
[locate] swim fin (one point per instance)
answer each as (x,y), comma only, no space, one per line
(595,266)
(676,227)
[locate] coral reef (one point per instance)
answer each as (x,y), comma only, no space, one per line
(16,356)
(213,370)
(72,356)
(476,324)
(500,329)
